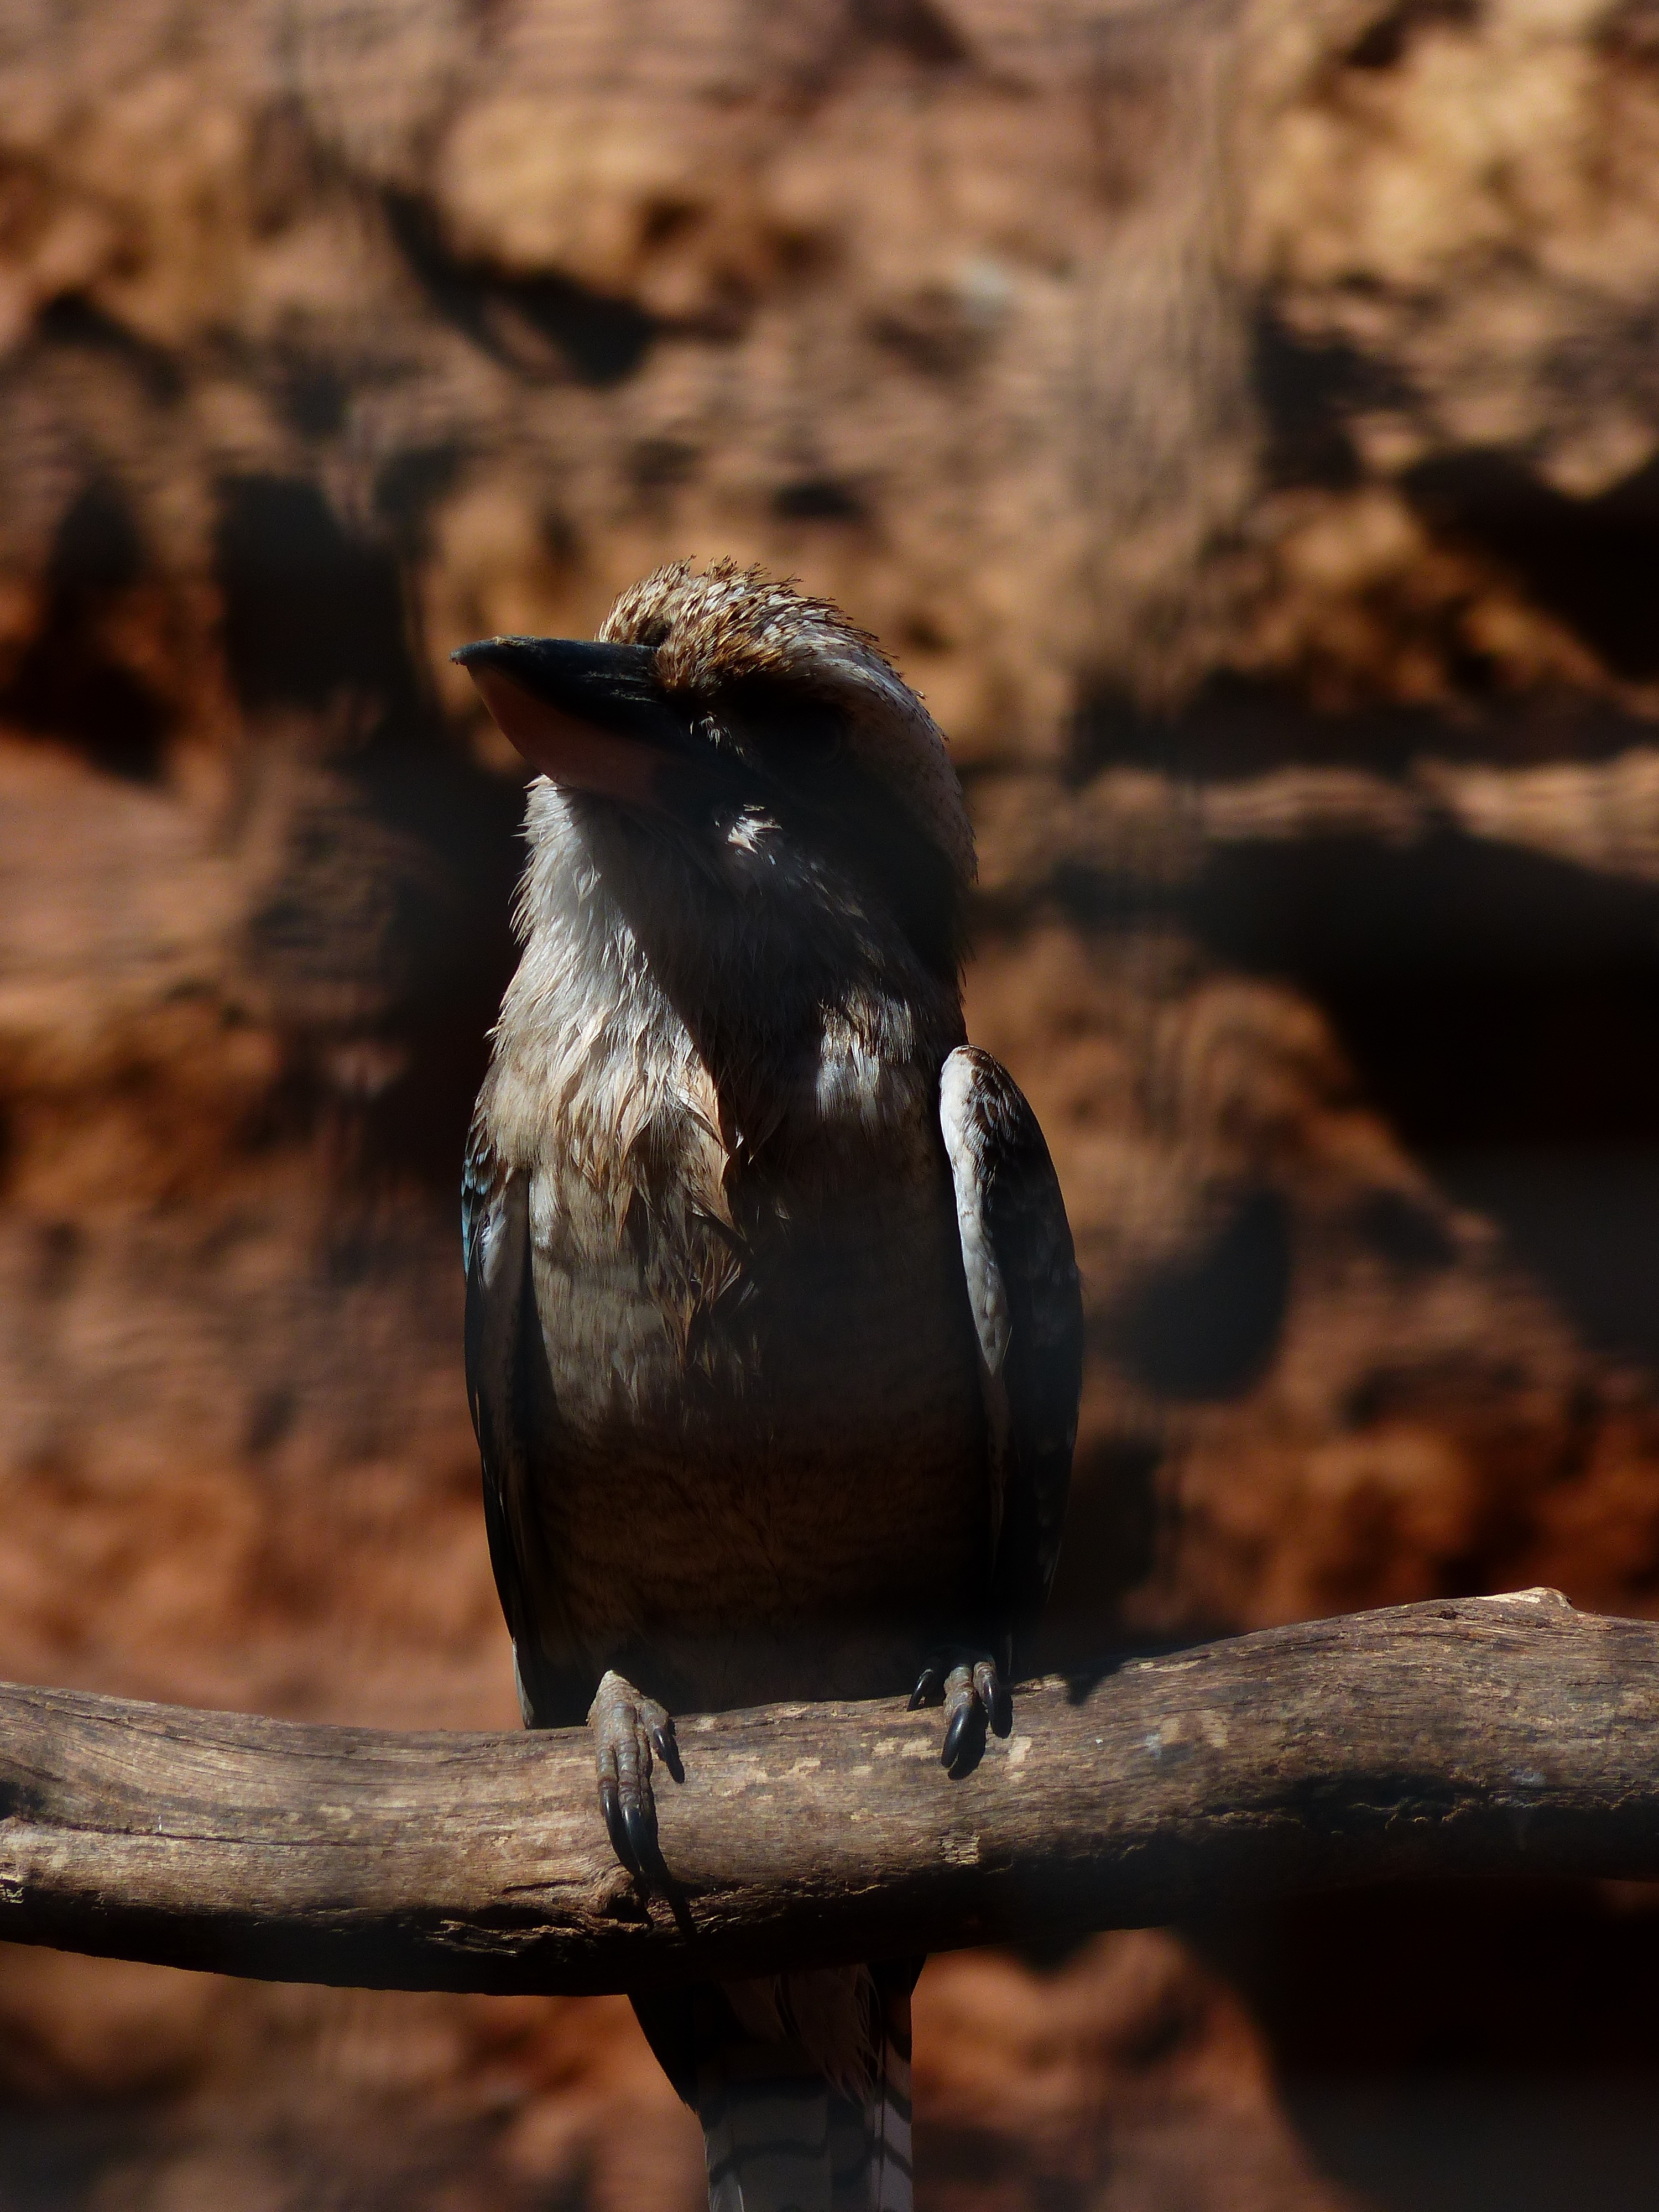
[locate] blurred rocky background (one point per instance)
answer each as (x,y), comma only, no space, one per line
(1240,419)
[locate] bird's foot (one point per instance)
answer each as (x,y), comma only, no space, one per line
(627,1727)
(967,1683)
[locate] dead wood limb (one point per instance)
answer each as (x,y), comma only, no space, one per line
(1490,1736)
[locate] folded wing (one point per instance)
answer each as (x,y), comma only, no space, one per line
(510,1395)
(1022,1280)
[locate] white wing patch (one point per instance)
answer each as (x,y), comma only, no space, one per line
(988,1294)
(1020,1272)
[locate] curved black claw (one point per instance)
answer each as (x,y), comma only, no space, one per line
(626,1726)
(976,1702)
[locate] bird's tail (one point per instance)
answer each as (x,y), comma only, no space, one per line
(802,2083)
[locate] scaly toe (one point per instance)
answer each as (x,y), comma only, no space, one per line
(627,1726)
(611,1806)
(975,1704)
(993,1697)
(964,1718)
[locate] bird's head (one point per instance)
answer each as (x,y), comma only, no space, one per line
(722,710)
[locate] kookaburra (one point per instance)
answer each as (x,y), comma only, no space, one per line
(772,1330)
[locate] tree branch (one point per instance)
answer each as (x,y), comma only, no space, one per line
(1489,1737)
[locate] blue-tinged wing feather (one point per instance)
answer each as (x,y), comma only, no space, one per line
(511,1402)
(1022,1278)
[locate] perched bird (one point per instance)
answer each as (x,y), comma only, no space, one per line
(773,1330)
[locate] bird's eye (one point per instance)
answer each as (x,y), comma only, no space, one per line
(815,732)
(782,724)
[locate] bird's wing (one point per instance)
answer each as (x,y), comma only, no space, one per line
(510,1400)
(1027,1314)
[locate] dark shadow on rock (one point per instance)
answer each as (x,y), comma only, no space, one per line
(53,2153)
(384,944)
(1492,2043)
(1385,42)
(1238,726)
(310,609)
(1592,563)
(73,323)
(541,325)
(72,681)
(1207,1327)
(1117,1521)
(1500,1006)
(1502,1010)
(383,941)
(818,499)
(1309,393)
(924,34)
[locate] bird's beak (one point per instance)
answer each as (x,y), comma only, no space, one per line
(592,717)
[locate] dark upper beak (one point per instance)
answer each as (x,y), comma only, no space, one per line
(592,717)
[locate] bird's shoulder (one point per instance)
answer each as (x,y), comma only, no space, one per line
(1004,1172)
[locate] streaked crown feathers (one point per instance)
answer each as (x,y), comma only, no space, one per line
(717,626)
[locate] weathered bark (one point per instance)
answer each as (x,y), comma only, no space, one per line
(1489,1737)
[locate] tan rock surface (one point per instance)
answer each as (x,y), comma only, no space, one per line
(1240,419)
